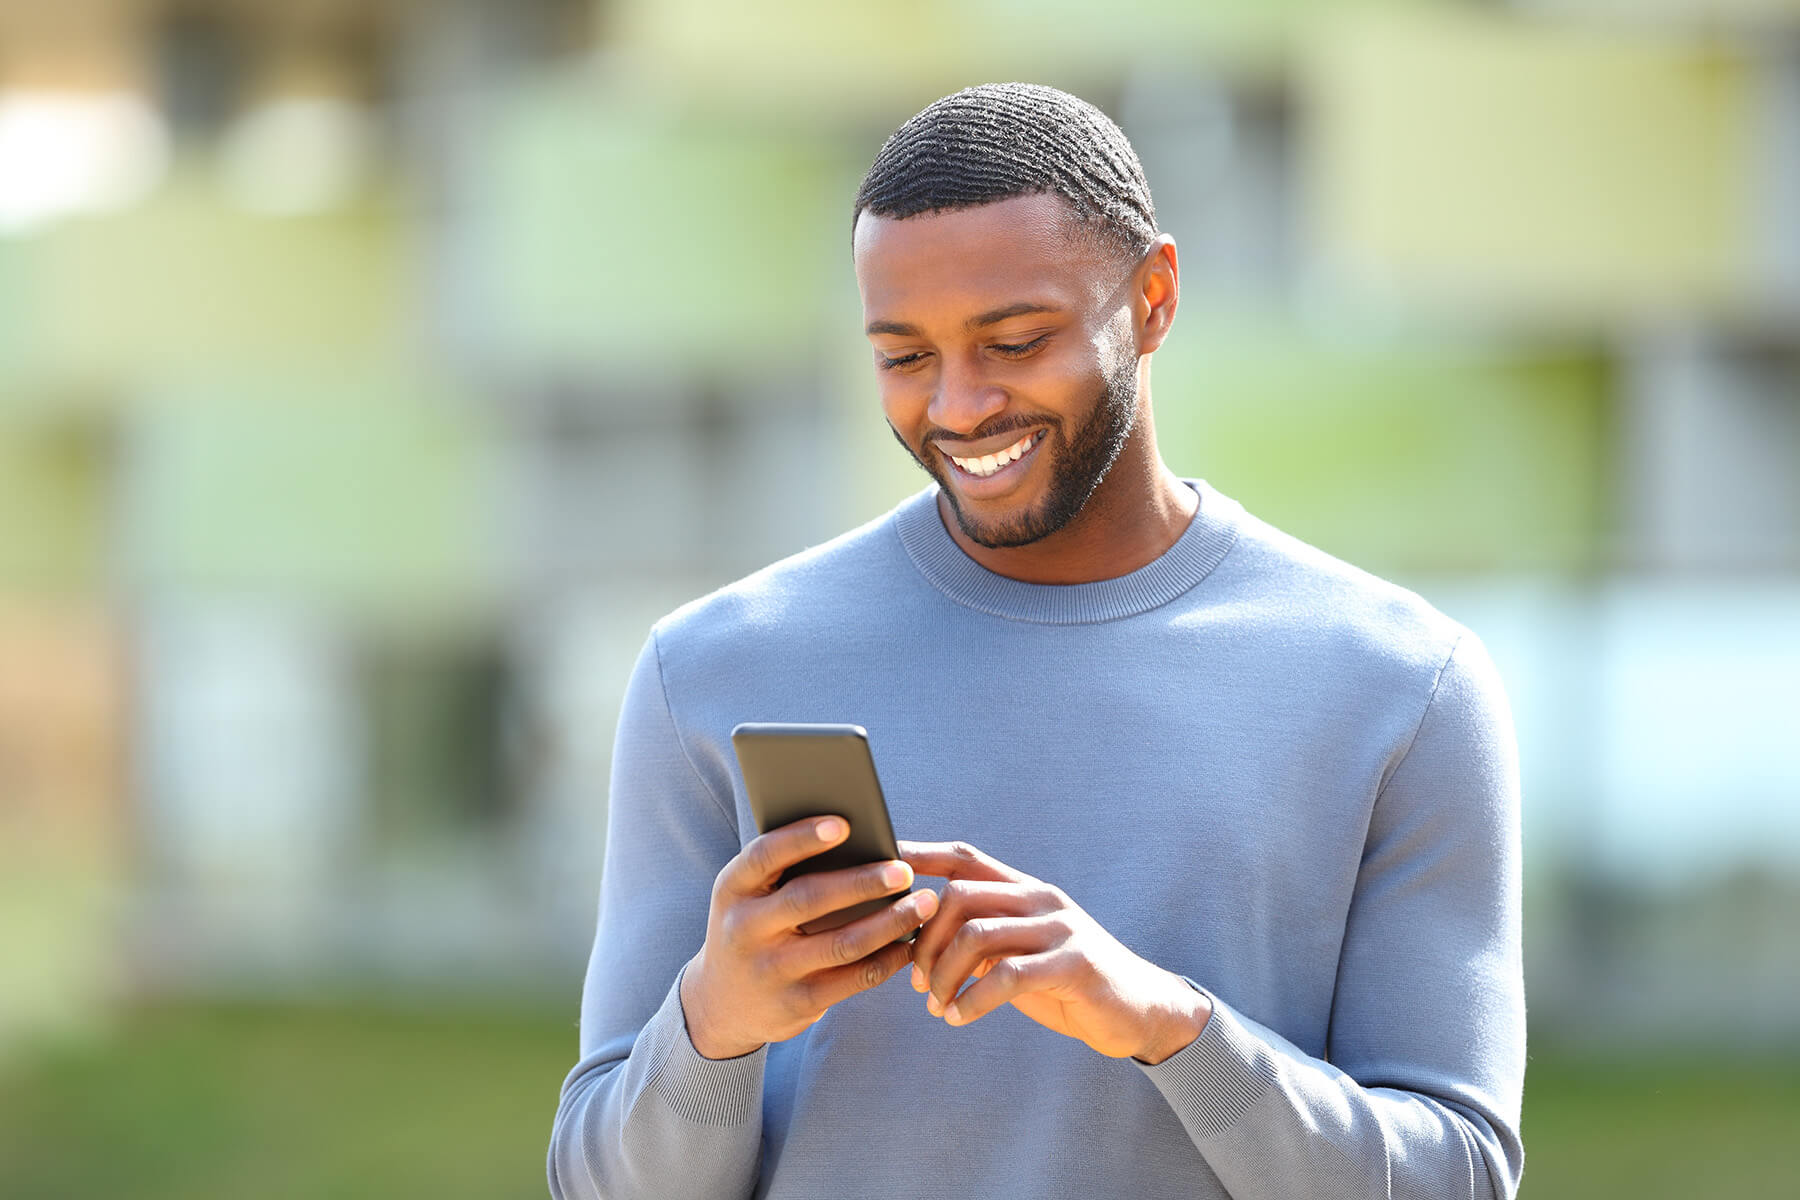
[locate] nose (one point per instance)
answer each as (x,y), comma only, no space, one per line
(963,398)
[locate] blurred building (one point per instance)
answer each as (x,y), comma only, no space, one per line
(373,374)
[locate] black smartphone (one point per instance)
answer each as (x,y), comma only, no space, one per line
(794,771)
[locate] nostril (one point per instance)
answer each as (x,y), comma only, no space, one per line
(961,412)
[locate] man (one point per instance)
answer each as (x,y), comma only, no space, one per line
(1228,829)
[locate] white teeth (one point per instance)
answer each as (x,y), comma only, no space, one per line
(987,464)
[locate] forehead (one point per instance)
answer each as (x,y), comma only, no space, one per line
(975,259)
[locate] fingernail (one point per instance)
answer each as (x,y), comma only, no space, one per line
(928,904)
(953,1015)
(918,980)
(830,829)
(895,875)
(933,1007)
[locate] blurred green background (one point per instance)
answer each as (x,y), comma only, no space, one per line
(373,372)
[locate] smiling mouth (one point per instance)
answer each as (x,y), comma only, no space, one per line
(992,464)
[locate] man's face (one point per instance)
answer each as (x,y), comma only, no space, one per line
(1003,347)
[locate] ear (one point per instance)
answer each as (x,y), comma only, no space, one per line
(1157,285)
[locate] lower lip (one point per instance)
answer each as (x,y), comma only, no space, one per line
(983,487)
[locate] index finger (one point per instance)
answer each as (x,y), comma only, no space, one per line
(760,863)
(957,860)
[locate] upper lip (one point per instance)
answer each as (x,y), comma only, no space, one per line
(985,446)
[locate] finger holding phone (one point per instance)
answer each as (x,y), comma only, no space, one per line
(759,978)
(1029,945)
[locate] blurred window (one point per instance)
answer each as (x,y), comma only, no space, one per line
(433,751)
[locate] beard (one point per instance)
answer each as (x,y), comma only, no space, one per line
(1077,462)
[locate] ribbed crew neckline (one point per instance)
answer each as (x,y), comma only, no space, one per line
(1200,548)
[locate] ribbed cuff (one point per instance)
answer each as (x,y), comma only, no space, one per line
(1218,1077)
(706,1091)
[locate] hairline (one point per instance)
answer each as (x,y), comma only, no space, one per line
(1106,238)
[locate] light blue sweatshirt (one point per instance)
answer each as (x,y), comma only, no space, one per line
(1253,764)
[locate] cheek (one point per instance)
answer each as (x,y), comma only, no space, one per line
(904,403)
(1067,384)
(1118,349)
(1077,360)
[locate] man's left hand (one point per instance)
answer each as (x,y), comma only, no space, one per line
(1031,946)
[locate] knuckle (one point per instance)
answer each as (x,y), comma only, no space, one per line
(951,902)
(844,946)
(731,927)
(802,999)
(964,852)
(873,972)
(797,898)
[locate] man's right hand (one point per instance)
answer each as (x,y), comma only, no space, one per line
(759,979)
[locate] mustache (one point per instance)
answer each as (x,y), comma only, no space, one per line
(998,425)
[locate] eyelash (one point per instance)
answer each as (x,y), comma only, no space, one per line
(1018,350)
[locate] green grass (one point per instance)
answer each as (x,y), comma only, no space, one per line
(1674,1125)
(221,1102)
(198,1103)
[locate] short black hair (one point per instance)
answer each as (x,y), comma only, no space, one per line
(1000,140)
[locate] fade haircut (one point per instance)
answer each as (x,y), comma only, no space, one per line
(1000,140)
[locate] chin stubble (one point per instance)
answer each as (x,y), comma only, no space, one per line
(1077,467)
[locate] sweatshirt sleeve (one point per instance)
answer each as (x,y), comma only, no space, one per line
(643,1113)
(1419,1093)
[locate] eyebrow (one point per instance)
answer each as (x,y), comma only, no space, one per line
(979,321)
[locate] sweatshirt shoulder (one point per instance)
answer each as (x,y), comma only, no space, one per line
(1345,607)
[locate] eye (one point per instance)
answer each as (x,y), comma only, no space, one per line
(892,364)
(1021,349)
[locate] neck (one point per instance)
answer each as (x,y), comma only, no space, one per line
(1139,510)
